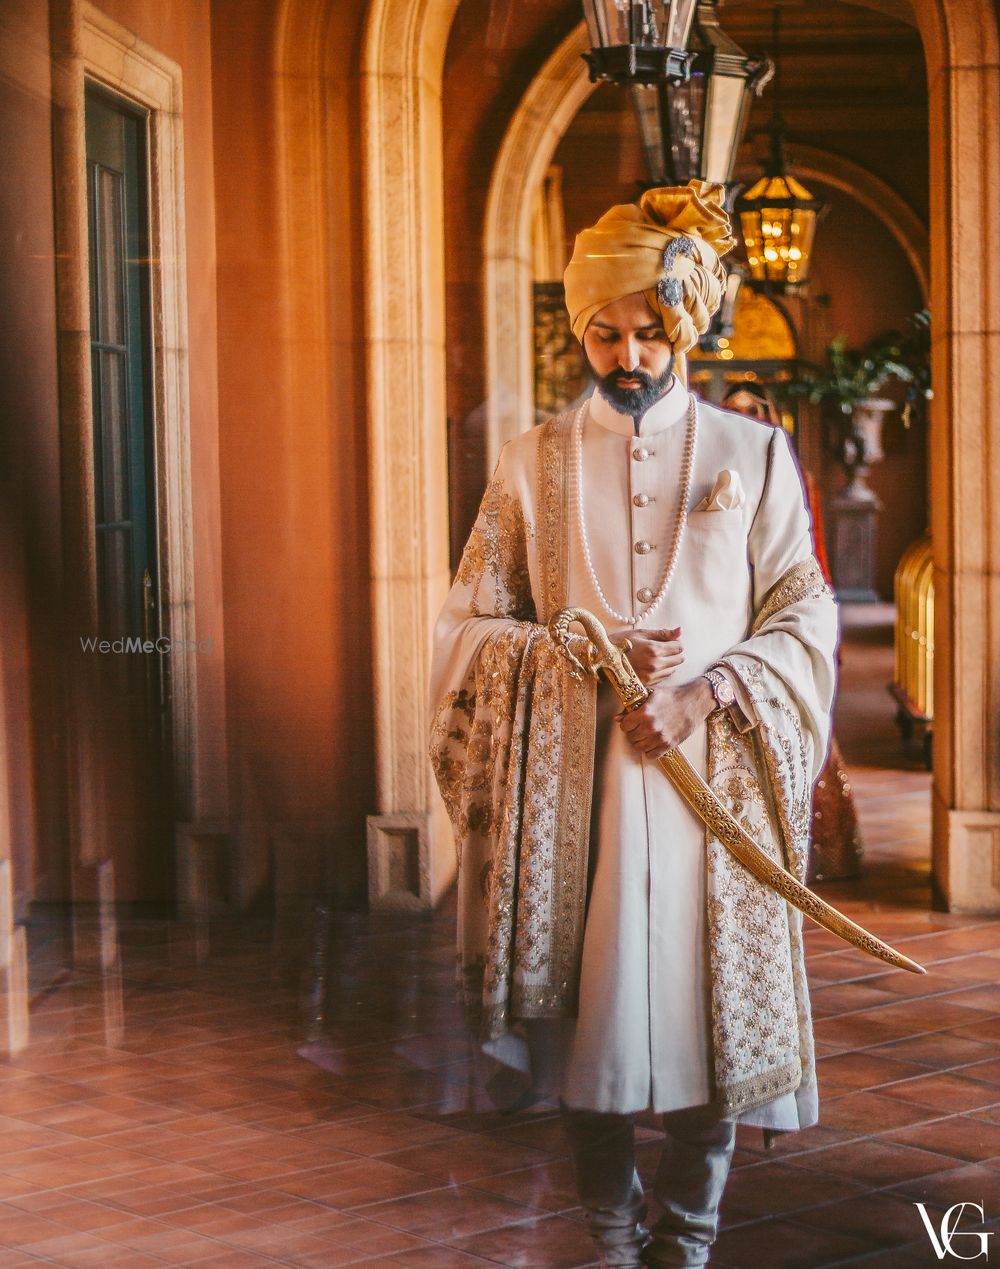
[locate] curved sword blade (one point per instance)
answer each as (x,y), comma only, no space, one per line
(707,806)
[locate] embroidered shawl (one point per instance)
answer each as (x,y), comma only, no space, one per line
(512,748)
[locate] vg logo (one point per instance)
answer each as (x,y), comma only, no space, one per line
(944,1238)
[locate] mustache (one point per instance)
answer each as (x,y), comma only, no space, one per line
(641,377)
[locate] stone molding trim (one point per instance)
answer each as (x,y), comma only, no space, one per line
(399,862)
(537,126)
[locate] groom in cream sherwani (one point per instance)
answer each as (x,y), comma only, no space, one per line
(608,949)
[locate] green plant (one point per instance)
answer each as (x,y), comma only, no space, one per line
(915,349)
(851,375)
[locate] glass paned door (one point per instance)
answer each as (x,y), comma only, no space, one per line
(124,478)
(134,677)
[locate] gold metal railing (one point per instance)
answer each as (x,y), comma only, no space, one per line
(913,587)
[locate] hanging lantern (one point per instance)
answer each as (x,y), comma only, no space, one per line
(778,223)
(639,41)
(693,130)
(778,214)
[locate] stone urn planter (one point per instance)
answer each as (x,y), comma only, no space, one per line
(863,446)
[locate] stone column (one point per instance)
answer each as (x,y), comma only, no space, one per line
(411,854)
(963,69)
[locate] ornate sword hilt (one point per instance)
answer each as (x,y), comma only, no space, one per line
(602,655)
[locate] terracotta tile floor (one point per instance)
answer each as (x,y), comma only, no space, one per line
(170,1117)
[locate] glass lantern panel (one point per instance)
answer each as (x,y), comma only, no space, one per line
(677,17)
(648,23)
(798,190)
(752,242)
(646,102)
(604,20)
(684,111)
(594,13)
(775,225)
(803,231)
(725,113)
(756,190)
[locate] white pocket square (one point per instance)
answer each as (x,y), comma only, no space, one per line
(727,493)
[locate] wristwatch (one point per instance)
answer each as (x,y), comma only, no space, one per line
(722,689)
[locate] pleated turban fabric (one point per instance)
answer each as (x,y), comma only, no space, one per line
(668,246)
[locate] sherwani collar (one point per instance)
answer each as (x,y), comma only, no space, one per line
(670,409)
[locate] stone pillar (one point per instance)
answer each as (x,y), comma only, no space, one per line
(407,424)
(963,67)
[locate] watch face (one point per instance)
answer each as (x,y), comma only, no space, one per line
(724,694)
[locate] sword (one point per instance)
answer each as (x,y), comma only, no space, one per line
(607,656)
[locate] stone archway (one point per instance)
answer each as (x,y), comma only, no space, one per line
(537,126)
(403,52)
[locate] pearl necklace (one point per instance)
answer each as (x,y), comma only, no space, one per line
(680,524)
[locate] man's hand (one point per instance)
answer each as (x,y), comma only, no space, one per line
(655,654)
(668,716)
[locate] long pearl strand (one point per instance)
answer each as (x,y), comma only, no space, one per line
(680,524)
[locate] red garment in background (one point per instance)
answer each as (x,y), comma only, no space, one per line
(812,493)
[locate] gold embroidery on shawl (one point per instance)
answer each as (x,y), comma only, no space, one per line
(498,546)
(754,1018)
(513,752)
(553,514)
(762,1038)
(802,581)
(574,792)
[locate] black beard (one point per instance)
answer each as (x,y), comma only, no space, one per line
(634,401)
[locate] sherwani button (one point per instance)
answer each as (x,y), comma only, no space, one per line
(643,548)
(644,595)
(641,500)
(640,455)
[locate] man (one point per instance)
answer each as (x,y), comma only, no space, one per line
(609,947)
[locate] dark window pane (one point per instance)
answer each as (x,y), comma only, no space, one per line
(112,422)
(110,257)
(114,571)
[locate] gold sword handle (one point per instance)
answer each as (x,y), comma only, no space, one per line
(604,655)
(612,659)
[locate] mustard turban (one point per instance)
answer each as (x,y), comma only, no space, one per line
(668,247)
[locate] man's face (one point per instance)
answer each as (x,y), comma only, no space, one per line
(626,347)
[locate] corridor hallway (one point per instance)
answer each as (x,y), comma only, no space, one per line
(198,1125)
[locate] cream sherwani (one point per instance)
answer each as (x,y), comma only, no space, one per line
(642,1035)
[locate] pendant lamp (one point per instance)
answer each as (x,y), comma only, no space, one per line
(778,215)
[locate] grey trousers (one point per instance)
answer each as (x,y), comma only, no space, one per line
(688,1185)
